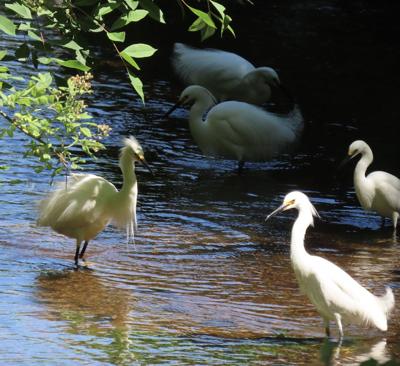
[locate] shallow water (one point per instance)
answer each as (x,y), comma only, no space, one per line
(207,280)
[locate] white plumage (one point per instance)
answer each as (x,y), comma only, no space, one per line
(237,130)
(335,294)
(88,203)
(378,191)
(226,75)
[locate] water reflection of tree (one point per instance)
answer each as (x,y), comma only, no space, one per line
(89,307)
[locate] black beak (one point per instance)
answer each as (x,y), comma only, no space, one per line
(345,161)
(278,210)
(176,105)
(144,162)
(286,92)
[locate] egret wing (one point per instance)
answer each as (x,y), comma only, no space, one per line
(342,294)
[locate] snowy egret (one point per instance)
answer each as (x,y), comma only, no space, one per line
(89,202)
(237,130)
(378,191)
(335,294)
(226,75)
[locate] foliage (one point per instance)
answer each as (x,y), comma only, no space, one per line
(58,33)
(54,119)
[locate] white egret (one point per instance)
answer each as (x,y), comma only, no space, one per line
(88,203)
(237,130)
(226,75)
(335,294)
(378,191)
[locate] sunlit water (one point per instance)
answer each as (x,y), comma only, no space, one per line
(207,280)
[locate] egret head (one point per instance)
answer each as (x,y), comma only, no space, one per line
(357,147)
(134,150)
(296,200)
(263,78)
(268,75)
(191,95)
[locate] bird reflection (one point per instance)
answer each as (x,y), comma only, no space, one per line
(333,353)
(89,307)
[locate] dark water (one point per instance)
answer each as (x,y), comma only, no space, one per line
(208,281)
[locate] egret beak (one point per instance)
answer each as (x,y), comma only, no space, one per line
(144,162)
(281,208)
(286,92)
(345,161)
(176,105)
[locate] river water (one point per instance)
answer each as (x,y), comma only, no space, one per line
(208,282)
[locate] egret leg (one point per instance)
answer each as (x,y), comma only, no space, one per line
(240,166)
(395,218)
(338,319)
(327,330)
(85,244)
(78,246)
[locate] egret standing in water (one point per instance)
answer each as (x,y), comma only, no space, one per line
(89,203)
(237,130)
(226,75)
(335,294)
(378,191)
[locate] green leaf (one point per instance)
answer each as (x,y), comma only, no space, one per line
(220,8)
(132,16)
(45,60)
(207,32)
(34,36)
(3,53)
(106,9)
(85,131)
(72,45)
(154,11)
(197,25)
(129,59)
(139,50)
(137,85)
(116,36)
(7,26)
(204,16)
(20,9)
(132,4)
(73,64)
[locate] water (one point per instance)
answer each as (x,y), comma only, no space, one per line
(208,281)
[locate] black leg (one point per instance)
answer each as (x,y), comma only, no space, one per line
(85,244)
(240,166)
(78,245)
(383,222)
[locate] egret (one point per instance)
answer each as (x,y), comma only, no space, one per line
(335,294)
(238,130)
(84,207)
(378,191)
(225,74)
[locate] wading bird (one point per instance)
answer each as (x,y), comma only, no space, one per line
(378,191)
(226,75)
(335,294)
(84,207)
(237,130)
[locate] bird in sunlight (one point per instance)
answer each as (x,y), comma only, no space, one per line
(88,203)
(238,130)
(335,294)
(226,75)
(378,191)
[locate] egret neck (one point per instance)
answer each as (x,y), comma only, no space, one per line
(196,123)
(298,253)
(362,186)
